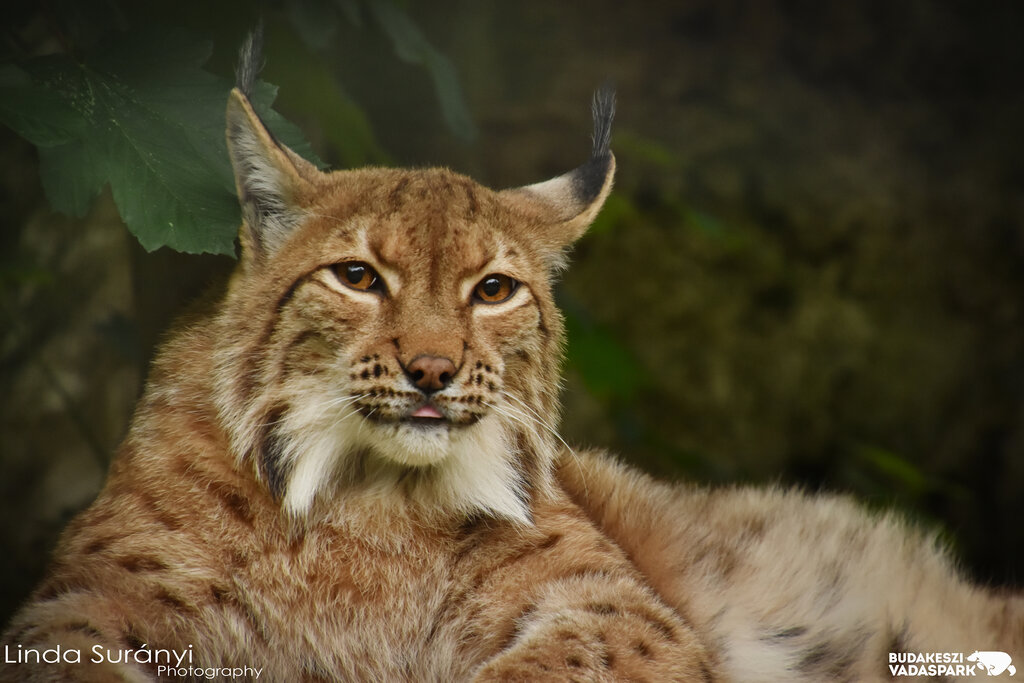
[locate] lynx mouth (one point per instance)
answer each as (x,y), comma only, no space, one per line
(427,411)
(428,415)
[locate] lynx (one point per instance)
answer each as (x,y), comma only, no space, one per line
(347,469)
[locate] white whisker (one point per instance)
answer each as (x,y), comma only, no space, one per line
(321,409)
(551,430)
(533,415)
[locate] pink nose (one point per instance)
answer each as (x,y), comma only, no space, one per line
(430,373)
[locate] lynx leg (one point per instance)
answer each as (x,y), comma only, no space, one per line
(595,628)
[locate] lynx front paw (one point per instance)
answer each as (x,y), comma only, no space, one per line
(600,633)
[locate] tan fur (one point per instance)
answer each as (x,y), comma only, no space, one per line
(276,505)
(787,586)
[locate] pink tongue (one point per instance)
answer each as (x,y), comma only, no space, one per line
(427,411)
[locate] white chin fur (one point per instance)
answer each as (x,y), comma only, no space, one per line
(411,444)
(463,469)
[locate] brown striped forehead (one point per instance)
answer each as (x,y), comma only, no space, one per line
(459,249)
(459,195)
(435,217)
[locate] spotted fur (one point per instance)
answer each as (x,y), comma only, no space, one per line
(785,586)
(278,505)
(282,501)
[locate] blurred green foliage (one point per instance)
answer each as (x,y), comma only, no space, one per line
(135,110)
(779,356)
(138,113)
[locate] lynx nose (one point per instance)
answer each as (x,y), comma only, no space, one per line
(430,373)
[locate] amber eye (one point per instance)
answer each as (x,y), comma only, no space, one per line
(495,288)
(358,275)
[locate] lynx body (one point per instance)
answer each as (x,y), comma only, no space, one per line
(347,470)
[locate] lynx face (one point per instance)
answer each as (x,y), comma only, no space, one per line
(395,328)
(425,313)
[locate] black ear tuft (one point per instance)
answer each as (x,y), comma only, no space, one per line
(589,179)
(568,203)
(250,61)
(603,110)
(269,177)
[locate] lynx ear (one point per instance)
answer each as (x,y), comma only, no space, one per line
(269,177)
(567,204)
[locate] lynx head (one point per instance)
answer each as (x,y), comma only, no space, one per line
(394,331)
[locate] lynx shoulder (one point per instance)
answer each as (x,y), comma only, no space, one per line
(348,469)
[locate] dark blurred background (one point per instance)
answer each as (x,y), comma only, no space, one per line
(811,271)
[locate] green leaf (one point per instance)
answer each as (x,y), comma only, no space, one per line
(412,46)
(72,176)
(40,116)
(142,115)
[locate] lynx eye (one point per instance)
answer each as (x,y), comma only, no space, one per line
(495,288)
(358,275)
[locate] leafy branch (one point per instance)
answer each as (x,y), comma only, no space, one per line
(138,112)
